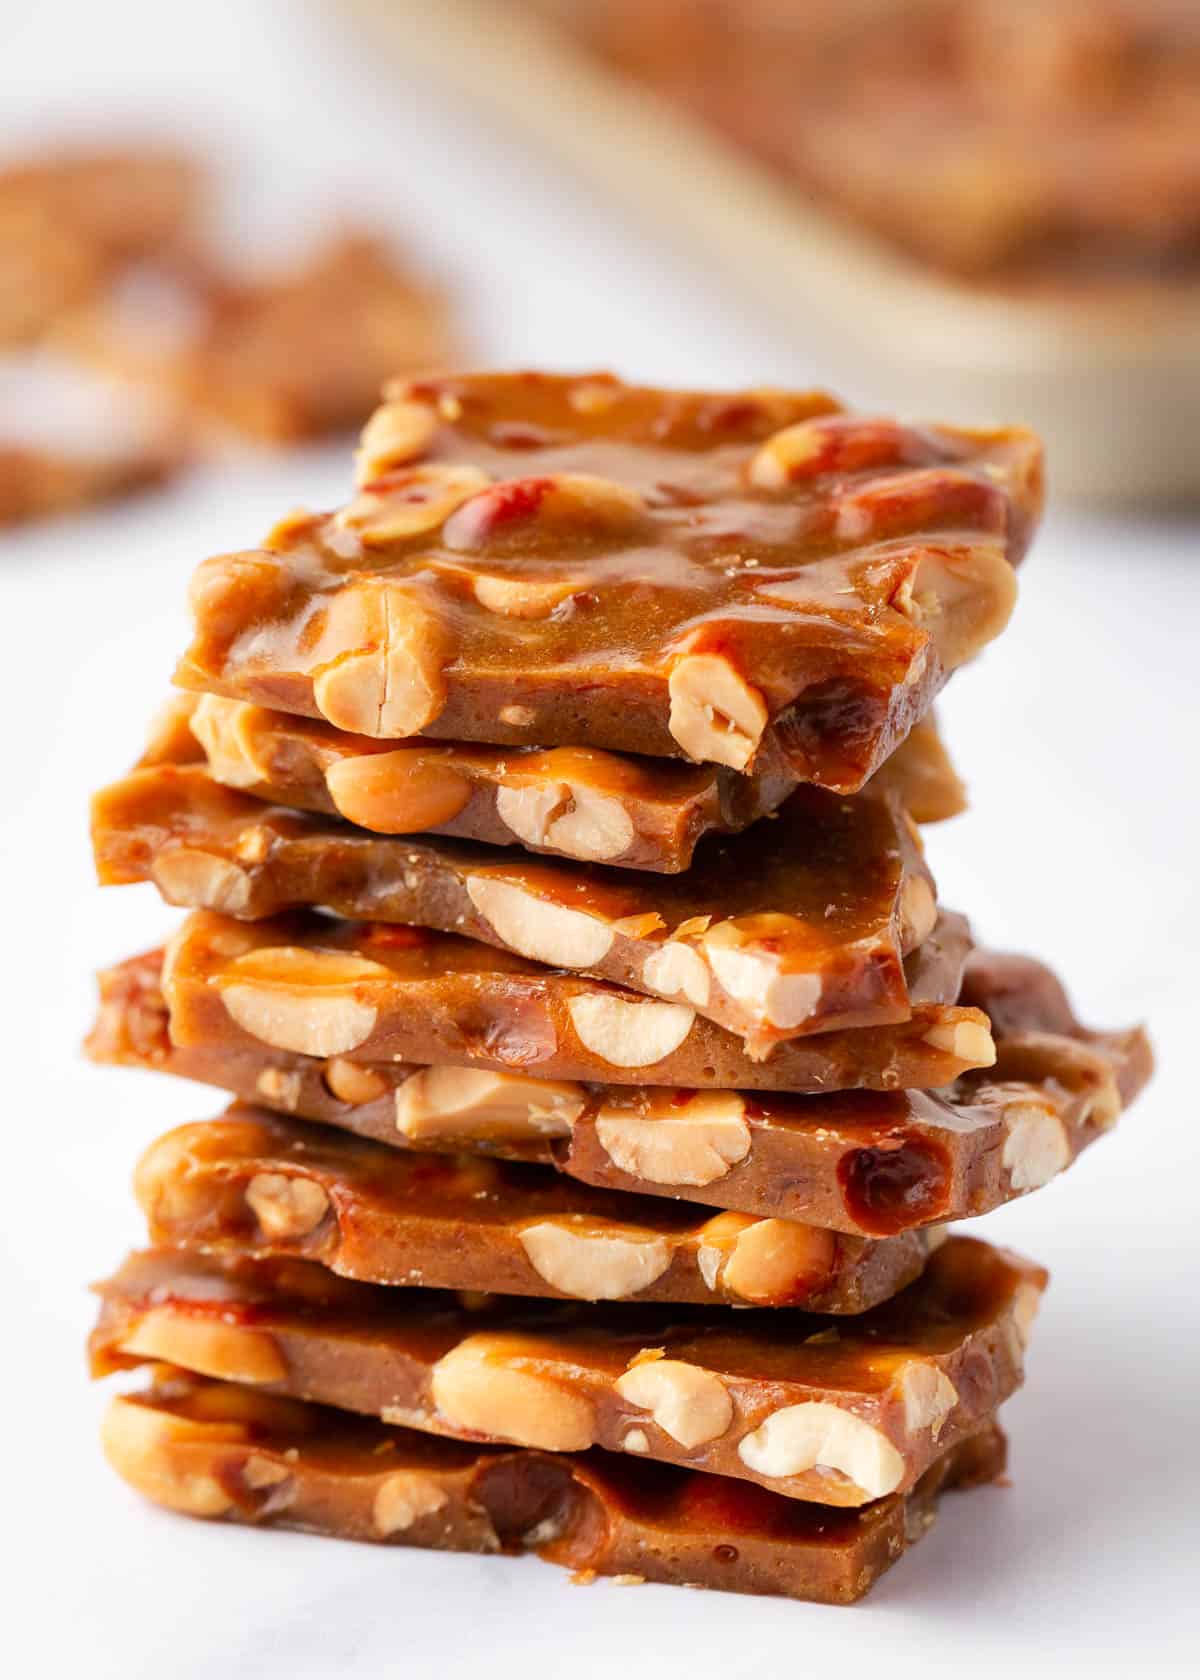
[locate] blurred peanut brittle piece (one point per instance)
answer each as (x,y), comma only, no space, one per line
(235,1453)
(69,221)
(38,483)
(870,1163)
(1010,139)
(68,441)
(797,926)
(840,1414)
(280,359)
(320,986)
(264,1184)
(753,579)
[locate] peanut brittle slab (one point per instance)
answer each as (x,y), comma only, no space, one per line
(235,1453)
(748,579)
(256,1182)
(573,802)
(799,926)
(872,1163)
(836,1414)
(321,986)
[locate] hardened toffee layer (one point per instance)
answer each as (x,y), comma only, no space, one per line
(866,1163)
(573,802)
(802,925)
(321,986)
(230,1452)
(752,579)
(258,1182)
(837,1414)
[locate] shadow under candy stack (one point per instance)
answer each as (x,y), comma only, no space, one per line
(560,925)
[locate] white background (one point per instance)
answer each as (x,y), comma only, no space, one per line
(1077,734)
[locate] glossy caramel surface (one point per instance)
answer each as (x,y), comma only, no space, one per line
(804,592)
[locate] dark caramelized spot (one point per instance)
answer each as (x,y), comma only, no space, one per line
(528,1499)
(887,1190)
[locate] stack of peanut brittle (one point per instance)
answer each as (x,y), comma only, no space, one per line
(559,924)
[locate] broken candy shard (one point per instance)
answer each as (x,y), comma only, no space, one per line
(220,1450)
(256,1181)
(576,802)
(321,986)
(867,1162)
(753,579)
(799,926)
(839,1414)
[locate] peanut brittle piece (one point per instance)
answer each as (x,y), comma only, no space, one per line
(576,802)
(253,1181)
(839,1414)
(320,986)
(235,1453)
(801,925)
(871,1163)
(69,220)
(753,580)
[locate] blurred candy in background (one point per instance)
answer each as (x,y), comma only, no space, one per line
(995,203)
(998,199)
(108,270)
